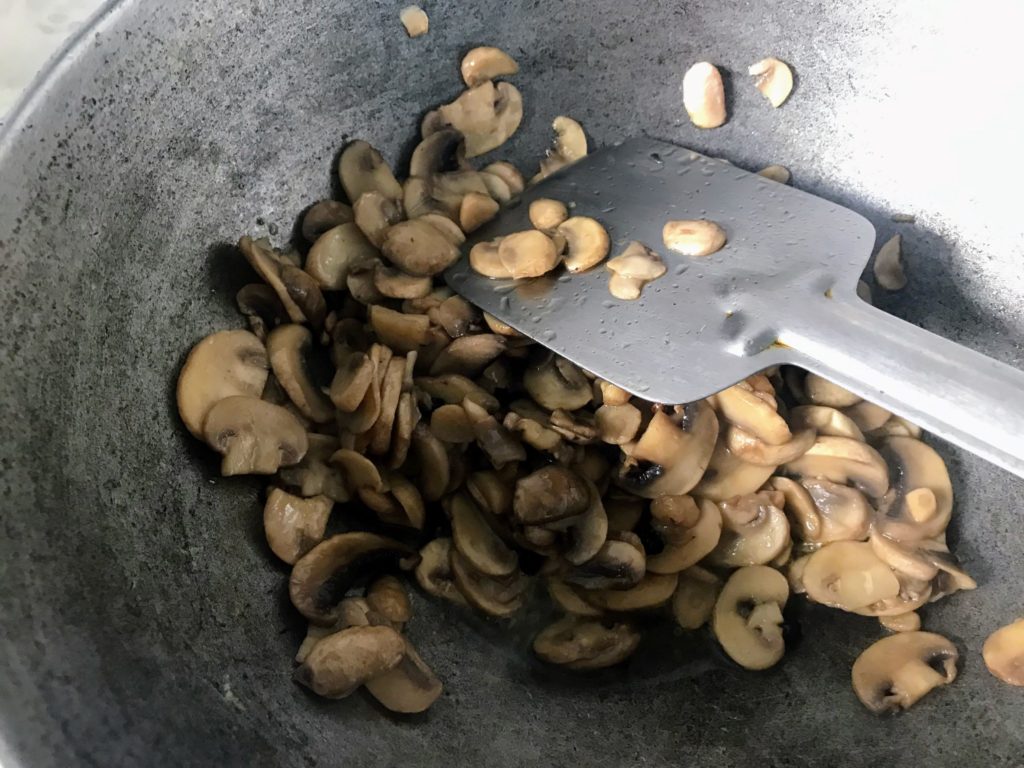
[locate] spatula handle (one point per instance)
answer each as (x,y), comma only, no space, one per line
(969,399)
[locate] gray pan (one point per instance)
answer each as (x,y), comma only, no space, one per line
(143,621)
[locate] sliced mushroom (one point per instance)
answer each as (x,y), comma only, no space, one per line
(509,174)
(588,532)
(824,420)
(476,210)
(551,493)
(773,78)
(499,597)
(905,513)
(400,332)
(754,532)
(747,619)
(578,643)
(689,532)
(843,460)
(224,364)
(375,214)
(313,476)
(848,575)
(415,21)
(867,416)
(888,267)
(497,443)
(362,169)
(637,262)
(618,564)
(336,252)
(297,290)
(693,238)
(821,391)
(360,285)
(453,388)
(254,436)
(742,407)
(750,449)
(446,227)
(704,95)
(554,383)
(611,394)
(419,248)
(294,525)
(261,307)
(477,541)
(409,688)
(618,424)
(468,355)
(322,575)
(451,424)
(1004,653)
(435,153)
(896,671)
(390,393)
(432,460)
(625,288)
(343,661)
(728,475)
(672,454)
(905,559)
(484,259)
(570,598)
(322,216)
(287,347)
(486,115)
(652,591)
(831,513)
(569,146)
(694,600)
(395,284)
(528,254)
(486,63)
(546,214)
(777,173)
(434,571)
(587,242)
(388,597)
(904,622)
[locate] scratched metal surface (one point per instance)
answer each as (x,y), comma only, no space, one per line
(142,619)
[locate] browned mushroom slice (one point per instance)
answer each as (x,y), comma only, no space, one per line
(402,333)
(825,421)
(694,599)
(395,284)
(570,599)
(224,364)
(359,471)
(297,290)
(486,115)
(652,591)
(453,388)
(254,436)
(846,461)
(491,492)
(587,532)
(755,530)
(418,248)
(407,416)
(477,541)
(468,355)
(351,380)
(688,531)
(390,393)
(499,597)
(343,661)
(402,504)
(493,439)
(434,571)
(336,253)
(388,597)
(409,688)
(747,619)
(920,504)
(673,452)
(575,426)
(617,565)
(362,169)
(578,643)
(287,347)
(432,458)
(314,476)
(451,424)
(554,382)
(261,307)
(322,216)
(832,513)
(322,575)
(896,671)
(551,493)
(1004,653)
(848,575)
(294,525)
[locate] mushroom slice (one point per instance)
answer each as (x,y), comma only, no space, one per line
(416,23)
(619,564)
(809,522)
(336,253)
(844,512)
(418,248)
(773,78)
(546,214)
(261,307)
(905,513)
(457,316)
(375,214)
(400,332)
(754,532)
(652,591)
(294,525)
(848,575)
(747,619)
(728,476)
(341,662)
(895,427)
(637,262)
(453,388)
(624,513)
(694,599)
(388,597)
(688,539)
(395,284)
(486,115)
(499,597)
(951,577)
(360,472)
(476,210)
(748,448)
(451,424)
(486,63)
(704,95)
(570,598)
(390,394)
(742,407)
(477,541)
(446,227)
(324,573)
(555,383)
(888,266)
(625,288)
(777,173)
(436,152)
(254,436)
(359,283)
(313,476)
(287,347)
(904,622)
(509,174)
(570,145)
(907,560)
(493,439)
(867,416)
(896,671)
(484,259)
(490,491)
(611,394)
(432,460)
(409,688)
(693,237)
(322,216)
(618,424)
(224,364)
(824,420)
(402,505)
(551,493)
(351,380)
(362,169)
(1004,653)
(821,391)
(579,643)
(528,254)
(587,242)
(843,460)
(297,290)
(434,572)
(587,532)
(672,454)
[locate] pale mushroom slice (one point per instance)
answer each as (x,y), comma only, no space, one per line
(408,688)
(321,576)
(457,316)
(848,575)
(696,238)
(224,364)
(694,600)
(336,253)
(747,618)
(375,214)
(821,391)
(362,169)
(888,267)
(587,242)
(314,476)
(530,253)
(750,449)
(672,453)
(741,406)
(776,173)
(343,661)
(298,290)
(754,532)
(395,284)
(904,622)
(639,262)
(586,533)
(690,531)
(832,512)
(920,503)
(620,563)
(704,95)
(434,571)
(652,591)
(322,216)
(618,424)
(496,596)
(398,331)
(476,210)
(569,146)
(895,672)
(580,643)
(550,493)
(477,541)
(824,420)
(287,348)
(418,248)
(1004,653)
(546,214)
(487,115)
(486,63)
(254,437)
(469,355)
(773,78)
(294,525)
(509,174)
(555,383)
(846,461)
(388,597)
(484,259)
(727,475)
(867,416)
(415,20)
(453,388)
(446,226)
(261,307)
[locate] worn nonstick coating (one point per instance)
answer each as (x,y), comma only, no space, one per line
(142,618)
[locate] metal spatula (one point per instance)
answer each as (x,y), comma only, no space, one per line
(782,290)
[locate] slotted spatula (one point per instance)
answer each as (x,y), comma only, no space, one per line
(782,290)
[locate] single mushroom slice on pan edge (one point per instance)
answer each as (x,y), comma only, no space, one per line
(897,671)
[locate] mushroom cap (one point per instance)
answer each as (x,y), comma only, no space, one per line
(222,365)
(747,617)
(1004,653)
(345,660)
(579,643)
(408,688)
(294,525)
(896,671)
(848,575)
(254,436)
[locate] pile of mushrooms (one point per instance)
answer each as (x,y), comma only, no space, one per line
(434,416)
